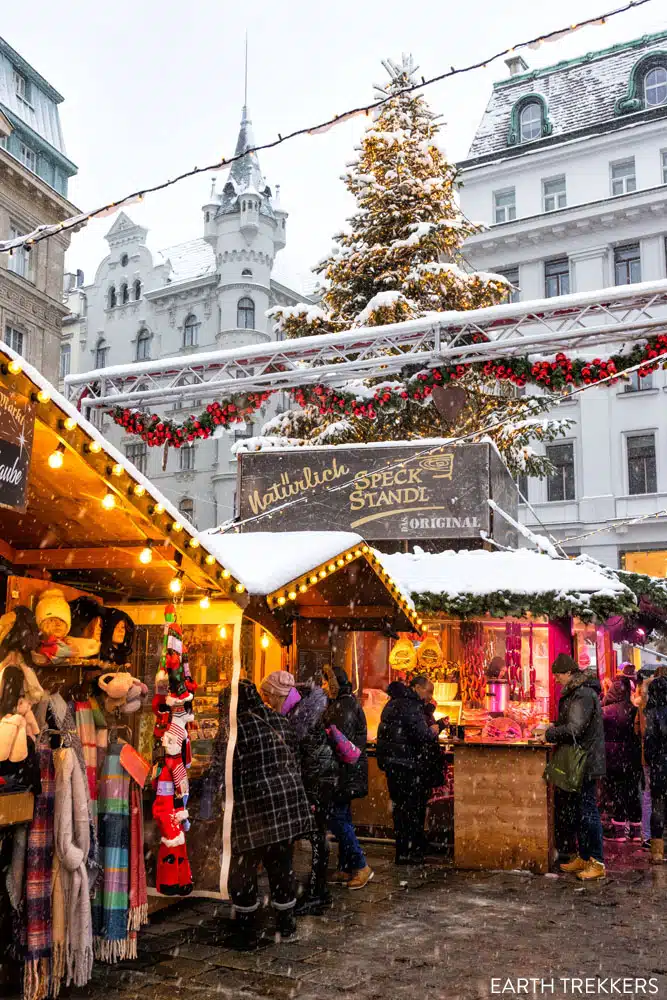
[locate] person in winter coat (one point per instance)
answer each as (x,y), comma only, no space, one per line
(347,715)
(639,699)
(623,760)
(270,810)
(408,753)
(304,709)
(580,721)
(655,753)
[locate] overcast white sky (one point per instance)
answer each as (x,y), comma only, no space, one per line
(153,88)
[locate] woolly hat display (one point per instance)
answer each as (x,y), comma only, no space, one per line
(115,652)
(52,604)
(84,610)
(279,683)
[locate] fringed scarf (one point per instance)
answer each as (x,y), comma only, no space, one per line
(138,899)
(39,865)
(87,730)
(111,903)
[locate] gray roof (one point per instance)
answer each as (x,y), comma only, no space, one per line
(245,175)
(190,260)
(580,95)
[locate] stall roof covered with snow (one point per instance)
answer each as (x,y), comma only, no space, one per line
(519,583)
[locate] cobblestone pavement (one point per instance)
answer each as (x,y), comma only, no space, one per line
(413,933)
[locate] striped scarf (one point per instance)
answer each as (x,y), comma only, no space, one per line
(111,902)
(138,898)
(85,727)
(39,865)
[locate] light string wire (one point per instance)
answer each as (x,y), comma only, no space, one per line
(47,231)
(446,443)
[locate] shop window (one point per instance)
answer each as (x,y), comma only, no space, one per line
(186,507)
(245,314)
(560,484)
(652,563)
(191,331)
(554,195)
(137,453)
(143,345)
(627,264)
(65,359)
(636,383)
(642,473)
(504,205)
(623,177)
(186,458)
(14,338)
(556,277)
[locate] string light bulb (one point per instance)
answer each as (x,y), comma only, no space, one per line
(56,459)
(95,447)
(322,574)
(222,631)
(303,588)
(158,508)
(176,585)
(146,555)
(138,490)
(340,562)
(292,595)
(264,641)
(332,567)
(194,543)
(117,469)
(176,526)
(281,600)
(205,602)
(226,574)
(14,368)
(209,559)
(108,501)
(69,424)
(239,588)
(313,579)
(43,396)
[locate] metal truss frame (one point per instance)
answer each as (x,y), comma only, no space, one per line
(574,323)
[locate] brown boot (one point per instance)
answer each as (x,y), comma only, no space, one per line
(593,870)
(361,878)
(657,851)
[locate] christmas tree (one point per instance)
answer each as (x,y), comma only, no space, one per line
(401,259)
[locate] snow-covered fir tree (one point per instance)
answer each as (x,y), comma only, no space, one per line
(401,259)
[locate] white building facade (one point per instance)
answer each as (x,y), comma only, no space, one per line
(206,294)
(568,169)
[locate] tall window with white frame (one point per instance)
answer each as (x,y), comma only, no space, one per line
(636,383)
(504,205)
(186,507)
(28,156)
(186,458)
(245,313)
(560,484)
(627,264)
(65,359)
(655,87)
(642,470)
(556,277)
(623,176)
(191,331)
(19,261)
(143,345)
(512,275)
(101,353)
(530,121)
(15,339)
(22,87)
(137,453)
(663,161)
(554,195)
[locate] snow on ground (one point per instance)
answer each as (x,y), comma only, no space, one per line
(481,572)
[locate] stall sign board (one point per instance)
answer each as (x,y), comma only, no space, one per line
(384,492)
(17,424)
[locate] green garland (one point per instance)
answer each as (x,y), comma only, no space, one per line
(596,607)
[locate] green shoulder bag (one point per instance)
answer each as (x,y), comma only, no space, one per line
(566,767)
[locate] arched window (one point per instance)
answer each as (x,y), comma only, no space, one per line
(655,87)
(112,298)
(186,507)
(124,260)
(124,293)
(143,345)
(530,122)
(191,331)
(245,314)
(246,273)
(137,290)
(101,352)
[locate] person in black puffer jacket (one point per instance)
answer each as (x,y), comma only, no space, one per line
(655,753)
(580,722)
(304,707)
(623,760)
(347,715)
(408,753)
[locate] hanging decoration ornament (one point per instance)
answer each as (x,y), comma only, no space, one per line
(558,375)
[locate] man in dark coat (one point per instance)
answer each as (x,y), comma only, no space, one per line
(580,721)
(270,809)
(347,715)
(304,707)
(624,764)
(408,753)
(655,754)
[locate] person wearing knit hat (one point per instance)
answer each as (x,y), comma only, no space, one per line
(53,613)
(277,690)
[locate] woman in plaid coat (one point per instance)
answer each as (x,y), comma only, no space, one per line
(270,810)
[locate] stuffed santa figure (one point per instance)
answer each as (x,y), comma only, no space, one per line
(172,707)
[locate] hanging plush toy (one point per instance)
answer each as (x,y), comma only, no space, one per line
(172,706)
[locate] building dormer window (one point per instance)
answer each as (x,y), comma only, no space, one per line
(137,290)
(655,87)
(124,293)
(22,87)
(191,331)
(529,120)
(245,314)
(112,298)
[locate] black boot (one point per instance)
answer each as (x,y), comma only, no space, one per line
(313,903)
(243,935)
(286,924)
